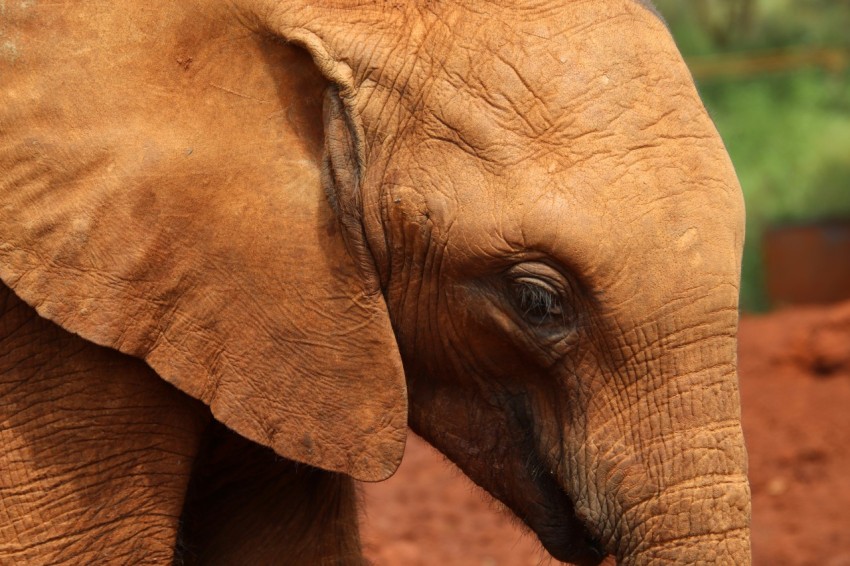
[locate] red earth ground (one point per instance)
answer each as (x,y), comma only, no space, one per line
(795,387)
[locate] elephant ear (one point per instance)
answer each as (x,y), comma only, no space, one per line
(161,193)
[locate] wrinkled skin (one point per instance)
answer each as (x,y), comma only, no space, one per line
(514,227)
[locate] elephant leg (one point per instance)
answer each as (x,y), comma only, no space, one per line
(96,449)
(246,505)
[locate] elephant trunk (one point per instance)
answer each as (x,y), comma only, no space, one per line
(698,508)
(730,547)
(703,519)
(670,481)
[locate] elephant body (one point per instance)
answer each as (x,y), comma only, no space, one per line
(96,454)
(122,468)
(511,227)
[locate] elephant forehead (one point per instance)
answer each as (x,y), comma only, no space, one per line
(581,133)
(598,216)
(553,78)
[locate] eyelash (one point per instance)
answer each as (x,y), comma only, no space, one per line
(536,303)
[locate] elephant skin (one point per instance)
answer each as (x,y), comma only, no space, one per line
(511,227)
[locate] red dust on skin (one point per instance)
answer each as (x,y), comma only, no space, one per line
(795,387)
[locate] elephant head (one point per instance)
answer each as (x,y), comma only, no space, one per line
(512,226)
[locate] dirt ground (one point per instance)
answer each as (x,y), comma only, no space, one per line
(795,384)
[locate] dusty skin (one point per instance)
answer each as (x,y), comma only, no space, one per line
(307,227)
(795,389)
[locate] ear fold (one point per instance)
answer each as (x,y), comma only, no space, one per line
(341,172)
(161,194)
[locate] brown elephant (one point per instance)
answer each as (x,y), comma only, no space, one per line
(511,225)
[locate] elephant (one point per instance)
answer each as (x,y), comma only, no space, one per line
(246,244)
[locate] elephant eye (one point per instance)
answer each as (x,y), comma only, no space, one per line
(537,301)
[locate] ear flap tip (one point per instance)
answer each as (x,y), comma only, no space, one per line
(376,469)
(368,452)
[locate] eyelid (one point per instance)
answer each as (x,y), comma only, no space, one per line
(541,274)
(537,282)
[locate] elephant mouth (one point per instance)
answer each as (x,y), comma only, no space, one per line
(559,529)
(585,552)
(545,506)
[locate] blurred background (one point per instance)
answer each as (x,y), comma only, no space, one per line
(775,77)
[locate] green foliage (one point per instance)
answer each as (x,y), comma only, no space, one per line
(787,132)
